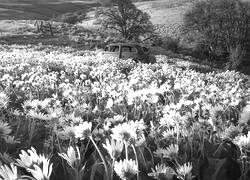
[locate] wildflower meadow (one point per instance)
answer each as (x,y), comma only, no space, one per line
(71,116)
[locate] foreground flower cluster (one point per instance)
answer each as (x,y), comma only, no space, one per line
(65,116)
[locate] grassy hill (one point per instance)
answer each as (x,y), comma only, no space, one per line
(44,10)
(165,11)
(15,13)
(166,14)
(161,11)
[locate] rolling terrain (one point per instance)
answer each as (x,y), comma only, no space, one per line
(18,15)
(44,10)
(161,11)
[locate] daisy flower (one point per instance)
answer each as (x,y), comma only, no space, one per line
(171,151)
(162,171)
(184,171)
(83,130)
(138,125)
(72,159)
(38,115)
(217,113)
(124,132)
(5,129)
(54,113)
(245,115)
(4,100)
(9,173)
(170,119)
(170,133)
(126,169)
(11,140)
(231,132)
(114,148)
(117,118)
(243,141)
(110,103)
(27,160)
(44,172)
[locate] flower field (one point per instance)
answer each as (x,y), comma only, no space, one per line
(72,117)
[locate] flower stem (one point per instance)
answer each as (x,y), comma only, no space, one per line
(136,160)
(112,169)
(126,149)
(77,174)
(144,160)
(99,152)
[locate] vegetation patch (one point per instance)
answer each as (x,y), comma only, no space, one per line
(65,116)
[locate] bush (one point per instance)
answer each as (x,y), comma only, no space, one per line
(170,43)
(72,18)
(223,24)
(105,3)
(236,57)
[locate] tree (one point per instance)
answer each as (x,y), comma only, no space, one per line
(126,19)
(223,24)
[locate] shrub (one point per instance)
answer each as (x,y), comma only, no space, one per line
(72,18)
(224,24)
(105,3)
(236,57)
(170,43)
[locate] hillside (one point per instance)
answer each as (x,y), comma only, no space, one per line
(161,11)
(44,10)
(167,14)
(165,11)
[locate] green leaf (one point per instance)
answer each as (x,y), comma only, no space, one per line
(220,172)
(93,171)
